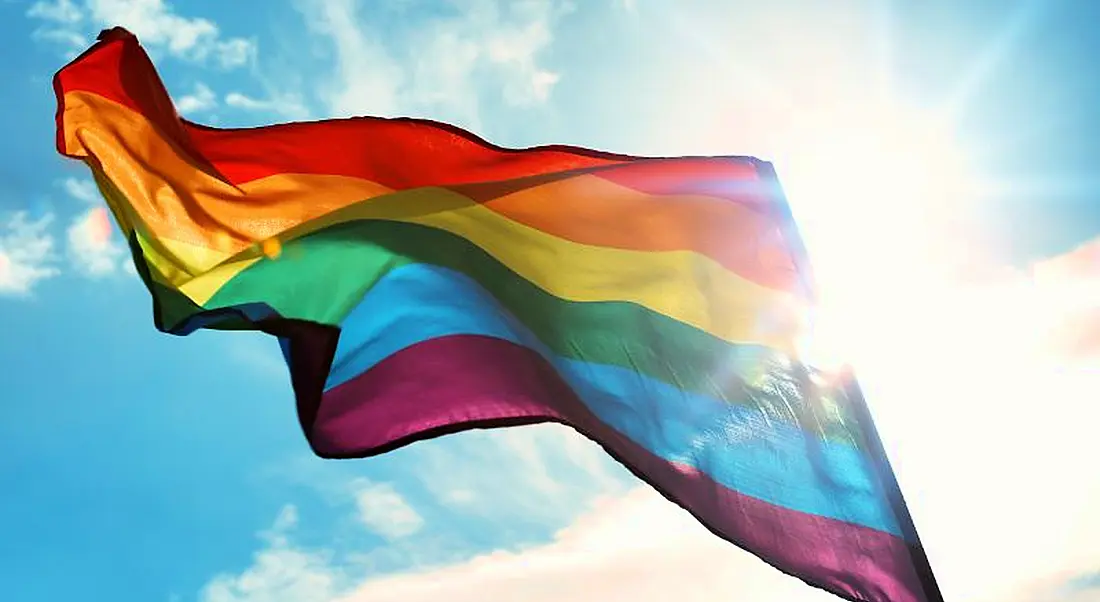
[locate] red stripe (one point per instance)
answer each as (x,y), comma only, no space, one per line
(455,383)
(117,69)
(397,153)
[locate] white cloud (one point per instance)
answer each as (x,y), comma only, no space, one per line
(587,459)
(280,572)
(155,23)
(579,466)
(446,66)
(289,106)
(59,11)
(92,248)
(26,253)
(69,40)
(544,473)
(383,510)
(62,20)
(367,79)
(513,50)
(636,547)
(234,52)
(200,100)
(286,520)
(82,190)
(91,245)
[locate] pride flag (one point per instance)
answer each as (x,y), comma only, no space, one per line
(422,281)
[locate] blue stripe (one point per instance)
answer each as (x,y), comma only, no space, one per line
(210,318)
(736,446)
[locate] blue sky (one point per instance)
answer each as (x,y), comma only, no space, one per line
(941,161)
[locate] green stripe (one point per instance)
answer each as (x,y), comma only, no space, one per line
(321,276)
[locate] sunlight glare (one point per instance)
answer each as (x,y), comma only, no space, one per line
(871,191)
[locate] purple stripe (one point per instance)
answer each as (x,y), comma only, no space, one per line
(454,383)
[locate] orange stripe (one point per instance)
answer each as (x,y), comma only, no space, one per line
(177,201)
(592,210)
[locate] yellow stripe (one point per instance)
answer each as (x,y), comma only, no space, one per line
(202,287)
(683,285)
(160,252)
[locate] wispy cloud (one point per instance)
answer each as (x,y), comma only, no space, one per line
(200,100)
(633,546)
(544,474)
(446,66)
(91,246)
(155,22)
(62,22)
(91,243)
(366,78)
(280,572)
(636,546)
(285,570)
(81,189)
(26,253)
(286,105)
(59,11)
(1069,288)
(587,460)
(542,477)
(383,510)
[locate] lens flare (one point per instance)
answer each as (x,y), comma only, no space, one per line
(98,227)
(272,248)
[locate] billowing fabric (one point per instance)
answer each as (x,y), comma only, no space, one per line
(422,281)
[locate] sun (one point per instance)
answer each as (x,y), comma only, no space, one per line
(871,191)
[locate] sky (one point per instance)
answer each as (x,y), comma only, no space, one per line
(940,158)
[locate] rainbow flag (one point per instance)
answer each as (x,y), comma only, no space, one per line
(422,281)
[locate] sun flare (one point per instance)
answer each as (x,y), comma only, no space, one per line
(871,192)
